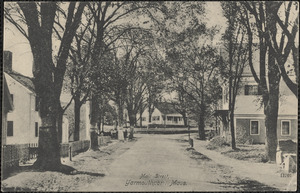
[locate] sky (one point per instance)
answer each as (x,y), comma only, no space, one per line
(15,42)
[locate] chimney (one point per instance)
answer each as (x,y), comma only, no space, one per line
(7,61)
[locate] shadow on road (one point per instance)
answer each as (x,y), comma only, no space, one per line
(87,173)
(247,185)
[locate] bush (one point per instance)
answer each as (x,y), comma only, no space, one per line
(263,158)
(217,142)
(242,137)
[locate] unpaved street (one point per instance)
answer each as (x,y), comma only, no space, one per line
(162,163)
(149,163)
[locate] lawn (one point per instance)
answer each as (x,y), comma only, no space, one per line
(252,153)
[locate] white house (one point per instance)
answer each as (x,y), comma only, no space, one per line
(164,114)
(249,118)
(23,122)
(68,119)
(7,106)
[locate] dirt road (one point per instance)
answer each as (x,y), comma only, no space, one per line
(149,163)
(162,163)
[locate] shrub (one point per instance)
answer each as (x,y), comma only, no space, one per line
(217,142)
(242,137)
(263,158)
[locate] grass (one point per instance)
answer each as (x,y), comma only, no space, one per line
(252,153)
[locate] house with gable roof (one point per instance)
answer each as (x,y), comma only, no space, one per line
(164,114)
(249,118)
(23,121)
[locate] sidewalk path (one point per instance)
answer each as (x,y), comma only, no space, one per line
(265,173)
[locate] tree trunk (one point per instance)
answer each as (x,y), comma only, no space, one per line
(48,157)
(150,114)
(99,122)
(48,151)
(271,108)
(102,123)
(59,122)
(271,103)
(120,122)
(93,134)
(141,117)
(184,120)
(76,118)
(271,116)
(132,120)
(233,145)
(201,126)
(94,139)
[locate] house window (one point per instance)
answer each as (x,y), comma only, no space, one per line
(143,118)
(252,90)
(176,119)
(155,118)
(169,118)
(36,129)
(36,103)
(12,98)
(10,128)
(254,128)
(285,128)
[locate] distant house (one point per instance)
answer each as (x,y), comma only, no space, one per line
(164,114)
(68,121)
(249,118)
(7,106)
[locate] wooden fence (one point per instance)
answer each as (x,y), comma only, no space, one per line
(76,147)
(12,155)
(103,140)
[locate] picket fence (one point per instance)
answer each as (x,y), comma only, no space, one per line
(13,155)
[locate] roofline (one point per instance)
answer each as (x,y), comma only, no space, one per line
(30,91)
(5,87)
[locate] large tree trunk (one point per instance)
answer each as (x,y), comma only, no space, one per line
(48,151)
(271,107)
(76,118)
(201,126)
(48,78)
(271,116)
(271,103)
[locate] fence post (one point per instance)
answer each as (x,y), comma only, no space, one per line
(70,153)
